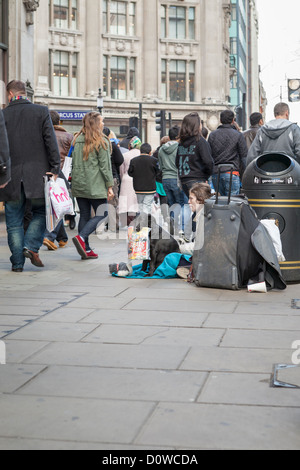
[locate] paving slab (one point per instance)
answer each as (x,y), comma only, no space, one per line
(234,359)
(72,418)
(111,355)
(181,305)
(117,384)
(262,339)
(252,322)
(246,389)
(223,427)
(151,317)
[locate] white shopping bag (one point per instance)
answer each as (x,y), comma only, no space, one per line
(274,232)
(61,201)
(51,221)
(67,168)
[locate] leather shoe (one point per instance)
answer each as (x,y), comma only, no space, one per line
(34,258)
(49,244)
(17,270)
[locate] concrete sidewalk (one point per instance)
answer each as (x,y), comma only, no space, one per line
(95,362)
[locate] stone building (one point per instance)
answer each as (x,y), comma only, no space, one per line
(17,42)
(144,55)
(163,54)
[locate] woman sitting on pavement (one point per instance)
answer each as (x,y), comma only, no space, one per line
(92,180)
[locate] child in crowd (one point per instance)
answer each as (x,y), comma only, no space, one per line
(143,170)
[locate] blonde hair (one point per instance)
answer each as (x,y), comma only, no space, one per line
(94,137)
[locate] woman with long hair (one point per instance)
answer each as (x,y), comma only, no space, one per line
(92,180)
(194,160)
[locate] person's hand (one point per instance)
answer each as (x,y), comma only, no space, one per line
(3,185)
(51,174)
(110,194)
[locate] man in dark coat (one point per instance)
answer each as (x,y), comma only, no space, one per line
(4,155)
(34,153)
(228,146)
(256,121)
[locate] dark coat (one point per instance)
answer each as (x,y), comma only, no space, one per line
(194,160)
(33,149)
(143,170)
(228,146)
(5,172)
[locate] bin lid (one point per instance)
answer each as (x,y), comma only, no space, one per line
(272,168)
(274,163)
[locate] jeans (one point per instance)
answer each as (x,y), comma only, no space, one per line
(224,187)
(177,201)
(17,239)
(87,223)
(145,202)
(59,233)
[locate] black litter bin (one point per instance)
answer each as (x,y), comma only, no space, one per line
(272,184)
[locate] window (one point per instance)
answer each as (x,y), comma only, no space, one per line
(61,73)
(119,17)
(233,46)
(63,14)
(178,80)
(74,15)
(178,22)
(192,81)
(119,77)
(64,66)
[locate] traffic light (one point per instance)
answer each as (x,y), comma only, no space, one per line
(294,90)
(161,122)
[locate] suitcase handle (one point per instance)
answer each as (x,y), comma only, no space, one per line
(229,167)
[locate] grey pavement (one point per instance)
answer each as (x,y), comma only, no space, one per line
(95,362)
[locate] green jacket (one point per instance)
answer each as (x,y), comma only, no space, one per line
(92,178)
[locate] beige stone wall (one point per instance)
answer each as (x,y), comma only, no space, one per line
(209,50)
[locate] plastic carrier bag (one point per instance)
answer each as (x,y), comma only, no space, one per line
(58,202)
(139,244)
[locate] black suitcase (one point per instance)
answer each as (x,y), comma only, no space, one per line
(224,255)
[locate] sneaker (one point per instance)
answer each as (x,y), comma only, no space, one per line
(62,244)
(49,244)
(183,273)
(80,247)
(91,255)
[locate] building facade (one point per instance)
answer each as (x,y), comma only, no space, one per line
(163,54)
(245,90)
(144,55)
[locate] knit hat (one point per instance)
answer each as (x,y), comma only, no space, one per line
(135,143)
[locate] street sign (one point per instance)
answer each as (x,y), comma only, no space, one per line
(294,96)
(72,115)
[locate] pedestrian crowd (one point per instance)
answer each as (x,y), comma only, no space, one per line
(112,181)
